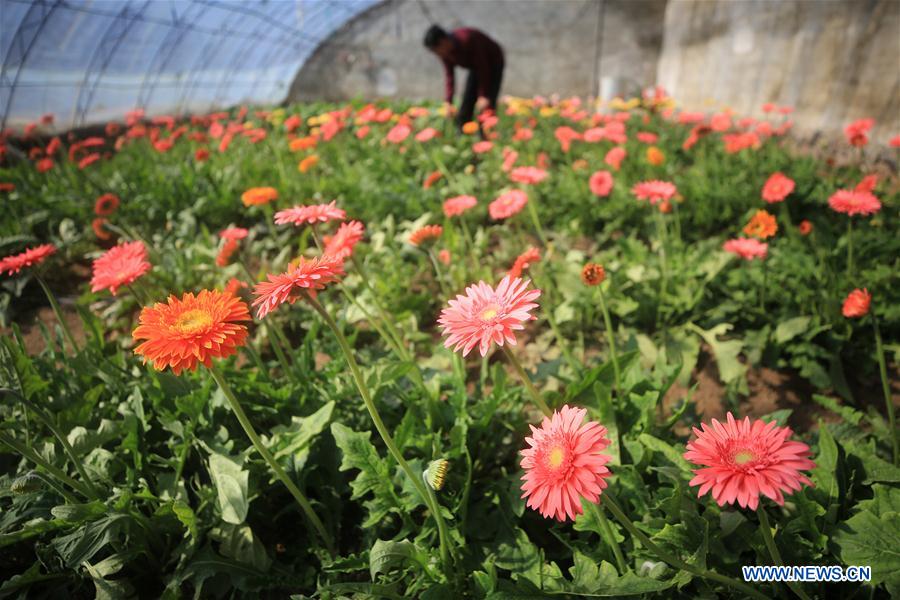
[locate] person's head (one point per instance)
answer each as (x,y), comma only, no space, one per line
(438,41)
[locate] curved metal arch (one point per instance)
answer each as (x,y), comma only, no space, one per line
(104,52)
(24,49)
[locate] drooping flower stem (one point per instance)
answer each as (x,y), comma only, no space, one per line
(526,380)
(267,456)
(609,537)
(766,531)
(611,339)
(54,305)
(886,389)
(672,560)
(358,379)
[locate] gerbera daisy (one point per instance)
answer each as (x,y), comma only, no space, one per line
(31,256)
(118,266)
(857,132)
(98,226)
(306,274)
(341,244)
(308,163)
(615,157)
(259,195)
(485,315)
(746,248)
(228,249)
(429,232)
(852,202)
(867,183)
(426,134)
(601,183)
(106,205)
(805,227)
(444,256)
(654,191)
(458,205)
(761,225)
(316,213)
(431,179)
(857,303)
(195,329)
(777,187)
(593,274)
(233,233)
(507,204)
(564,463)
(482,147)
(655,156)
(743,459)
(398,133)
(528,175)
(523,261)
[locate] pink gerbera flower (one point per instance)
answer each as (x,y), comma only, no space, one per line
(746,248)
(615,157)
(458,205)
(306,274)
(119,266)
(654,191)
(316,213)
(398,133)
(507,204)
(853,202)
(233,233)
(777,187)
(528,175)
(523,261)
(485,315)
(31,256)
(564,464)
(601,183)
(341,244)
(743,459)
(426,134)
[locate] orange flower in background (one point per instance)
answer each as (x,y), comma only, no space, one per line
(507,204)
(234,285)
(655,156)
(341,244)
(429,232)
(647,137)
(857,303)
(98,226)
(852,202)
(316,213)
(777,187)
(308,163)
(106,205)
(458,205)
(303,143)
(432,178)
(565,463)
(259,195)
(523,261)
(615,157)
(805,227)
(565,135)
(180,334)
(593,274)
(307,275)
(761,225)
(28,258)
(119,266)
(740,141)
(470,128)
(601,183)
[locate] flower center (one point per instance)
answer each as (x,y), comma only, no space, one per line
(556,457)
(193,321)
(491,311)
(742,457)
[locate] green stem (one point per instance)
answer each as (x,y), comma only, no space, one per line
(37,459)
(766,530)
(537,223)
(532,391)
(765,282)
(608,535)
(611,339)
(886,389)
(58,312)
(672,560)
(388,324)
(850,247)
(267,456)
(437,271)
(417,481)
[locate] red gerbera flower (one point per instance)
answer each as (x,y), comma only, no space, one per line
(857,132)
(234,233)
(119,266)
(317,213)
(106,205)
(852,202)
(523,261)
(857,303)
(30,257)
(777,187)
(742,460)
(306,274)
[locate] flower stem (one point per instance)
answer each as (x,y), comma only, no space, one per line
(850,247)
(58,312)
(609,536)
(886,389)
(672,560)
(766,530)
(437,271)
(273,464)
(537,223)
(611,339)
(37,459)
(417,481)
(532,391)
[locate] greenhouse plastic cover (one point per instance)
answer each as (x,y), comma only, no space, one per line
(90,61)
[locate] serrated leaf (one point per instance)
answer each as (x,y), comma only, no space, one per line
(374,475)
(872,536)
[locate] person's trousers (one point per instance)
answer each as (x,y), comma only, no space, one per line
(470,96)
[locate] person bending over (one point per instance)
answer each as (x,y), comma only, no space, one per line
(470,49)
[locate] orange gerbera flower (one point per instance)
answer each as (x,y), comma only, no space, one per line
(762,225)
(470,128)
(432,178)
(304,143)
(523,261)
(429,232)
(195,329)
(593,274)
(259,195)
(308,163)
(655,156)
(306,274)
(857,303)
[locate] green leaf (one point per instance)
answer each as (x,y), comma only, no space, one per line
(791,328)
(672,454)
(872,536)
(79,512)
(83,543)
(385,555)
(374,475)
(231,487)
(590,579)
(726,352)
(296,438)
(239,542)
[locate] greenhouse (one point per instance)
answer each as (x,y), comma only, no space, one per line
(449,299)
